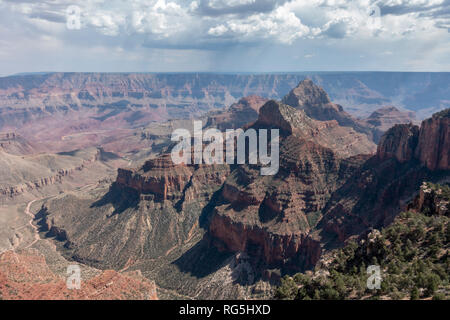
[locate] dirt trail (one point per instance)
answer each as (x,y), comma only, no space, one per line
(32,216)
(36,232)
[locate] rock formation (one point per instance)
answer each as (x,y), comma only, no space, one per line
(158,206)
(433,149)
(343,140)
(314,101)
(271,217)
(431,200)
(377,191)
(160,179)
(430,145)
(399,142)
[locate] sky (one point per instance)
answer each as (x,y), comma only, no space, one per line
(224,35)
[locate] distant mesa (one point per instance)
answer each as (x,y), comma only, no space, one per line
(388,116)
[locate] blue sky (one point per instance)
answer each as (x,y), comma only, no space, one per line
(224,35)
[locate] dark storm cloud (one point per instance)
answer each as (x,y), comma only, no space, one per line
(439,12)
(49,16)
(427,10)
(206,7)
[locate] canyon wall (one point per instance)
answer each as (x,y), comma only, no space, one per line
(433,148)
(379,190)
(155,96)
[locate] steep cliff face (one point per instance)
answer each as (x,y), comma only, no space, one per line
(160,178)
(433,149)
(399,142)
(430,144)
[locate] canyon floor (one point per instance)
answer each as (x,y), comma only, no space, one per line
(31,267)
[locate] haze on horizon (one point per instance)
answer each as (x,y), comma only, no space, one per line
(224,35)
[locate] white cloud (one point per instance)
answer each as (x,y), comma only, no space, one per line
(287,22)
(165,18)
(214,25)
(281,25)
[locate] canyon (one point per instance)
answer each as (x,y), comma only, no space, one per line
(64,111)
(92,151)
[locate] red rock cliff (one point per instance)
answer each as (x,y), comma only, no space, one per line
(161,179)
(433,148)
(430,144)
(399,142)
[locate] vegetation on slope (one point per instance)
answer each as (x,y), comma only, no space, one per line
(412,254)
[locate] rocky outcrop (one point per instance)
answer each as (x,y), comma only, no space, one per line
(160,177)
(278,115)
(309,96)
(41,183)
(432,200)
(157,206)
